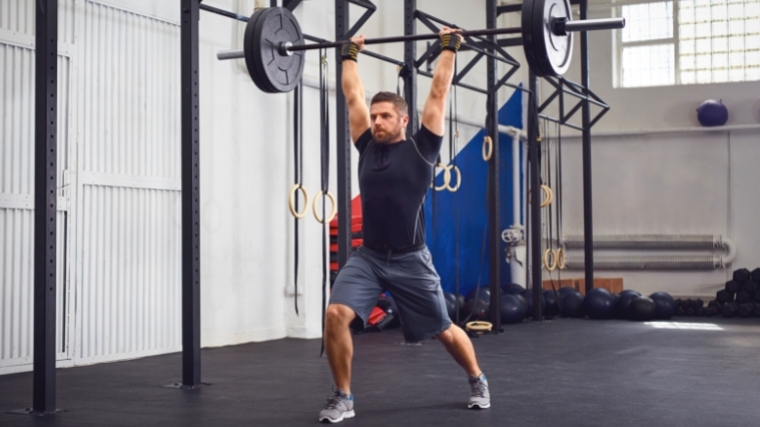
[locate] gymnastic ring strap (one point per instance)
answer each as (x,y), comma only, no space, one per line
(291,201)
(333,211)
(487,148)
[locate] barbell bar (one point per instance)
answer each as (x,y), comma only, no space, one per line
(274,44)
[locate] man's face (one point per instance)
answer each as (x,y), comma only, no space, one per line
(387,124)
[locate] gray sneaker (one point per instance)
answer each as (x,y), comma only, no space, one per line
(479,397)
(337,408)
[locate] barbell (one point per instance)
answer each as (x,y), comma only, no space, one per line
(274,46)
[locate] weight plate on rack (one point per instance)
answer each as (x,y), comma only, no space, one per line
(272,70)
(547,54)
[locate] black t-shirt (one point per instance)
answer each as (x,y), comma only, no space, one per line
(393,181)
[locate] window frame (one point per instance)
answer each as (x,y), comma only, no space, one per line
(620,45)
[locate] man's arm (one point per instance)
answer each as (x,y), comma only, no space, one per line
(353,90)
(435,106)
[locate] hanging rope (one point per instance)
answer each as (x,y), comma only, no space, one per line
(324,141)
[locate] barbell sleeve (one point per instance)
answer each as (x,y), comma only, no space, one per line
(589,25)
(230,54)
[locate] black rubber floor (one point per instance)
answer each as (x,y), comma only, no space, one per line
(555,373)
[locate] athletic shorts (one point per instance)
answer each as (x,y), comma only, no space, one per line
(410,278)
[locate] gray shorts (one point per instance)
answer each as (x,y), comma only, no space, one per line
(410,278)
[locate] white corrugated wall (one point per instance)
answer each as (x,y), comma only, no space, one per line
(129,240)
(118,224)
(16,200)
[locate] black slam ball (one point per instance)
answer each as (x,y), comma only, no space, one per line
(477,309)
(512,310)
(666,305)
(572,305)
(643,309)
(512,288)
(622,308)
(599,303)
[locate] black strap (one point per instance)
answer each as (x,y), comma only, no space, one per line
(453,150)
(297,170)
(324,140)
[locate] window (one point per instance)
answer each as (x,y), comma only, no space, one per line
(689,42)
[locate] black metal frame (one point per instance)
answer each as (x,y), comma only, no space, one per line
(190,162)
(45,207)
(581,91)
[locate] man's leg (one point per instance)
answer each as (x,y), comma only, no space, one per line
(458,344)
(460,347)
(339,344)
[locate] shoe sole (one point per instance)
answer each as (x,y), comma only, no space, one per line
(345,415)
(478,406)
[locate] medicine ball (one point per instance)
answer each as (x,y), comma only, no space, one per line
(552,303)
(712,113)
(512,310)
(624,303)
(565,291)
(572,305)
(523,302)
(666,305)
(528,295)
(643,309)
(599,303)
(512,288)
(477,309)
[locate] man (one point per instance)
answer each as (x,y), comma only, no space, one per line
(394,177)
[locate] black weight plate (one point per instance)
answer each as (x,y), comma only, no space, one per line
(272,71)
(547,54)
(249,48)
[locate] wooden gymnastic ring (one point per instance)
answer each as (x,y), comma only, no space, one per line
(479,326)
(561,256)
(459,179)
(332,212)
(446,177)
(291,201)
(553,265)
(549,196)
(487,142)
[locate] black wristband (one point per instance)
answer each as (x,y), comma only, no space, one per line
(349,51)
(448,44)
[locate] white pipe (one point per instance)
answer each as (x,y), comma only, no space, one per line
(516,200)
(659,242)
(687,130)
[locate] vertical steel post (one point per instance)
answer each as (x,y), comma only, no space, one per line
(190,160)
(45,205)
(492,129)
(344,143)
(534,160)
(410,73)
(588,226)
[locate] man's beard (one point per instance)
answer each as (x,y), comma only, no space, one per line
(387,138)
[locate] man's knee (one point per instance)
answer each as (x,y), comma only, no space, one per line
(446,336)
(339,315)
